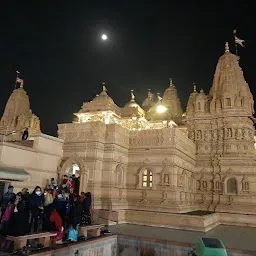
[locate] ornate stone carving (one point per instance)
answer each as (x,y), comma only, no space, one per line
(238,134)
(164,198)
(207,135)
(144,195)
(245,184)
(198,134)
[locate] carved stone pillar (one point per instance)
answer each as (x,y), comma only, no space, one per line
(83,181)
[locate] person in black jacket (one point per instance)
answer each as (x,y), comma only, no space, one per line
(8,197)
(36,203)
(75,212)
(25,200)
(19,224)
(88,208)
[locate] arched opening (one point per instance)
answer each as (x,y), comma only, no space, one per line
(74,168)
(147,178)
(199,106)
(231,186)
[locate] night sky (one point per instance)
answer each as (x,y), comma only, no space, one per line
(58,50)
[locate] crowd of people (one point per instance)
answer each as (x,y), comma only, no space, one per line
(58,208)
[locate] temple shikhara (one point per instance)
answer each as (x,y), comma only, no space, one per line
(145,163)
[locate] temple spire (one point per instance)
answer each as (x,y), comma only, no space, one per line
(18,80)
(171,84)
(159,98)
(132,95)
(194,87)
(226,47)
(104,89)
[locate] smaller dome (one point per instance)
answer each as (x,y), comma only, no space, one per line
(154,115)
(172,102)
(132,108)
(191,102)
(132,103)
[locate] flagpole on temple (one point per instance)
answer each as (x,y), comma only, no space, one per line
(17,75)
(234,33)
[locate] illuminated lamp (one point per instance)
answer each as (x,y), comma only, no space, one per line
(161,109)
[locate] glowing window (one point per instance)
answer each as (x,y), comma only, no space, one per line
(75,169)
(147,178)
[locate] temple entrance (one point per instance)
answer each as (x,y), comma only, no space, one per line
(74,167)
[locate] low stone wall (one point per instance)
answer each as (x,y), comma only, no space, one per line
(125,245)
(235,219)
(176,221)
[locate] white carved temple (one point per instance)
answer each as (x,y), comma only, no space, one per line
(136,160)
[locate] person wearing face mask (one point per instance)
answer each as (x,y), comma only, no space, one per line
(36,203)
(8,197)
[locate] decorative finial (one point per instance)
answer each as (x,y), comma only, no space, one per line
(226,47)
(17,79)
(150,95)
(104,89)
(170,79)
(159,97)
(194,86)
(132,95)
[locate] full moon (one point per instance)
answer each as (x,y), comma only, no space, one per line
(104,37)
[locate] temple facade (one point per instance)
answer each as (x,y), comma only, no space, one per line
(140,162)
(221,125)
(154,157)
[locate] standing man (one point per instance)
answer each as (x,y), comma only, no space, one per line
(8,197)
(25,134)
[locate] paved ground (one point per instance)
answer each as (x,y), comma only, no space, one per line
(234,237)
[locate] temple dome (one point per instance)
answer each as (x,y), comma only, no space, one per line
(132,108)
(153,114)
(172,102)
(229,89)
(101,102)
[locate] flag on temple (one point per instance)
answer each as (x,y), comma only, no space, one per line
(239,41)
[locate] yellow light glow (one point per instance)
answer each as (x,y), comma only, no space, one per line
(171,124)
(134,118)
(161,109)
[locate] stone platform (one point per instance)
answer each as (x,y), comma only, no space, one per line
(176,221)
